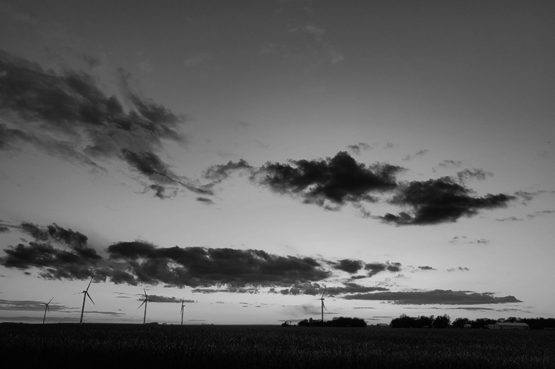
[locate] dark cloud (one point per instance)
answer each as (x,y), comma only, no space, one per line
(440,297)
(349,265)
(34,231)
(4,229)
(169,299)
(375,268)
(205,200)
(72,259)
(335,180)
(198,266)
(426,267)
(478,174)
(54,263)
(440,200)
(67,115)
(61,253)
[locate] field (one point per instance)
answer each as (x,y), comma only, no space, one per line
(102,346)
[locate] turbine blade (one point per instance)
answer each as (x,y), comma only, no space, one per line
(50,301)
(89,296)
(142,303)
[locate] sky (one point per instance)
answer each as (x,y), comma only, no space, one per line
(248,156)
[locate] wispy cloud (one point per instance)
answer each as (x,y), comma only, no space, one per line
(67,115)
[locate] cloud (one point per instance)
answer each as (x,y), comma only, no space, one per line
(349,265)
(468,241)
(479,308)
(426,267)
(198,266)
(458,269)
(71,259)
(220,172)
(375,268)
(540,213)
(509,219)
(478,174)
(439,297)
(29,305)
(450,164)
(62,253)
(169,299)
(314,289)
(357,148)
(67,115)
(334,180)
(417,154)
(440,200)
(205,200)
(4,229)
(302,38)
(227,289)
(527,196)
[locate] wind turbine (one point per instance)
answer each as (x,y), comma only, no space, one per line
(85,295)
(182,309)
(145,303)
(46,305)
(322,305)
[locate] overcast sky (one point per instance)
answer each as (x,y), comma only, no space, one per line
(243,155)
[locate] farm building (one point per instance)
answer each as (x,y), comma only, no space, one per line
(506,325)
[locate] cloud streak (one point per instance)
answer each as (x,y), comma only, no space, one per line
(439,297)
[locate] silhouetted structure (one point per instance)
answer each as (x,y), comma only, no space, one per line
(46,305)
(182,309)
(405,321)
(145,303)
(85,295)
(335,322)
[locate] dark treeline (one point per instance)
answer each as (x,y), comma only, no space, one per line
(335,322)
(444,321)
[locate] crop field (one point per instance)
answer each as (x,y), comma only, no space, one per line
(102,346)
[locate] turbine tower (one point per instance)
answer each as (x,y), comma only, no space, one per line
(46,305)
(145,303)
(322,305)
(182,309)
(85,295)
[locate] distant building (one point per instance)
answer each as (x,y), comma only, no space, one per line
(506,325)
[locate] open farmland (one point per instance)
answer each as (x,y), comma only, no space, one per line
(101,346)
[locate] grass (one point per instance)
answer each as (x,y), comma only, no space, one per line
(102,346)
